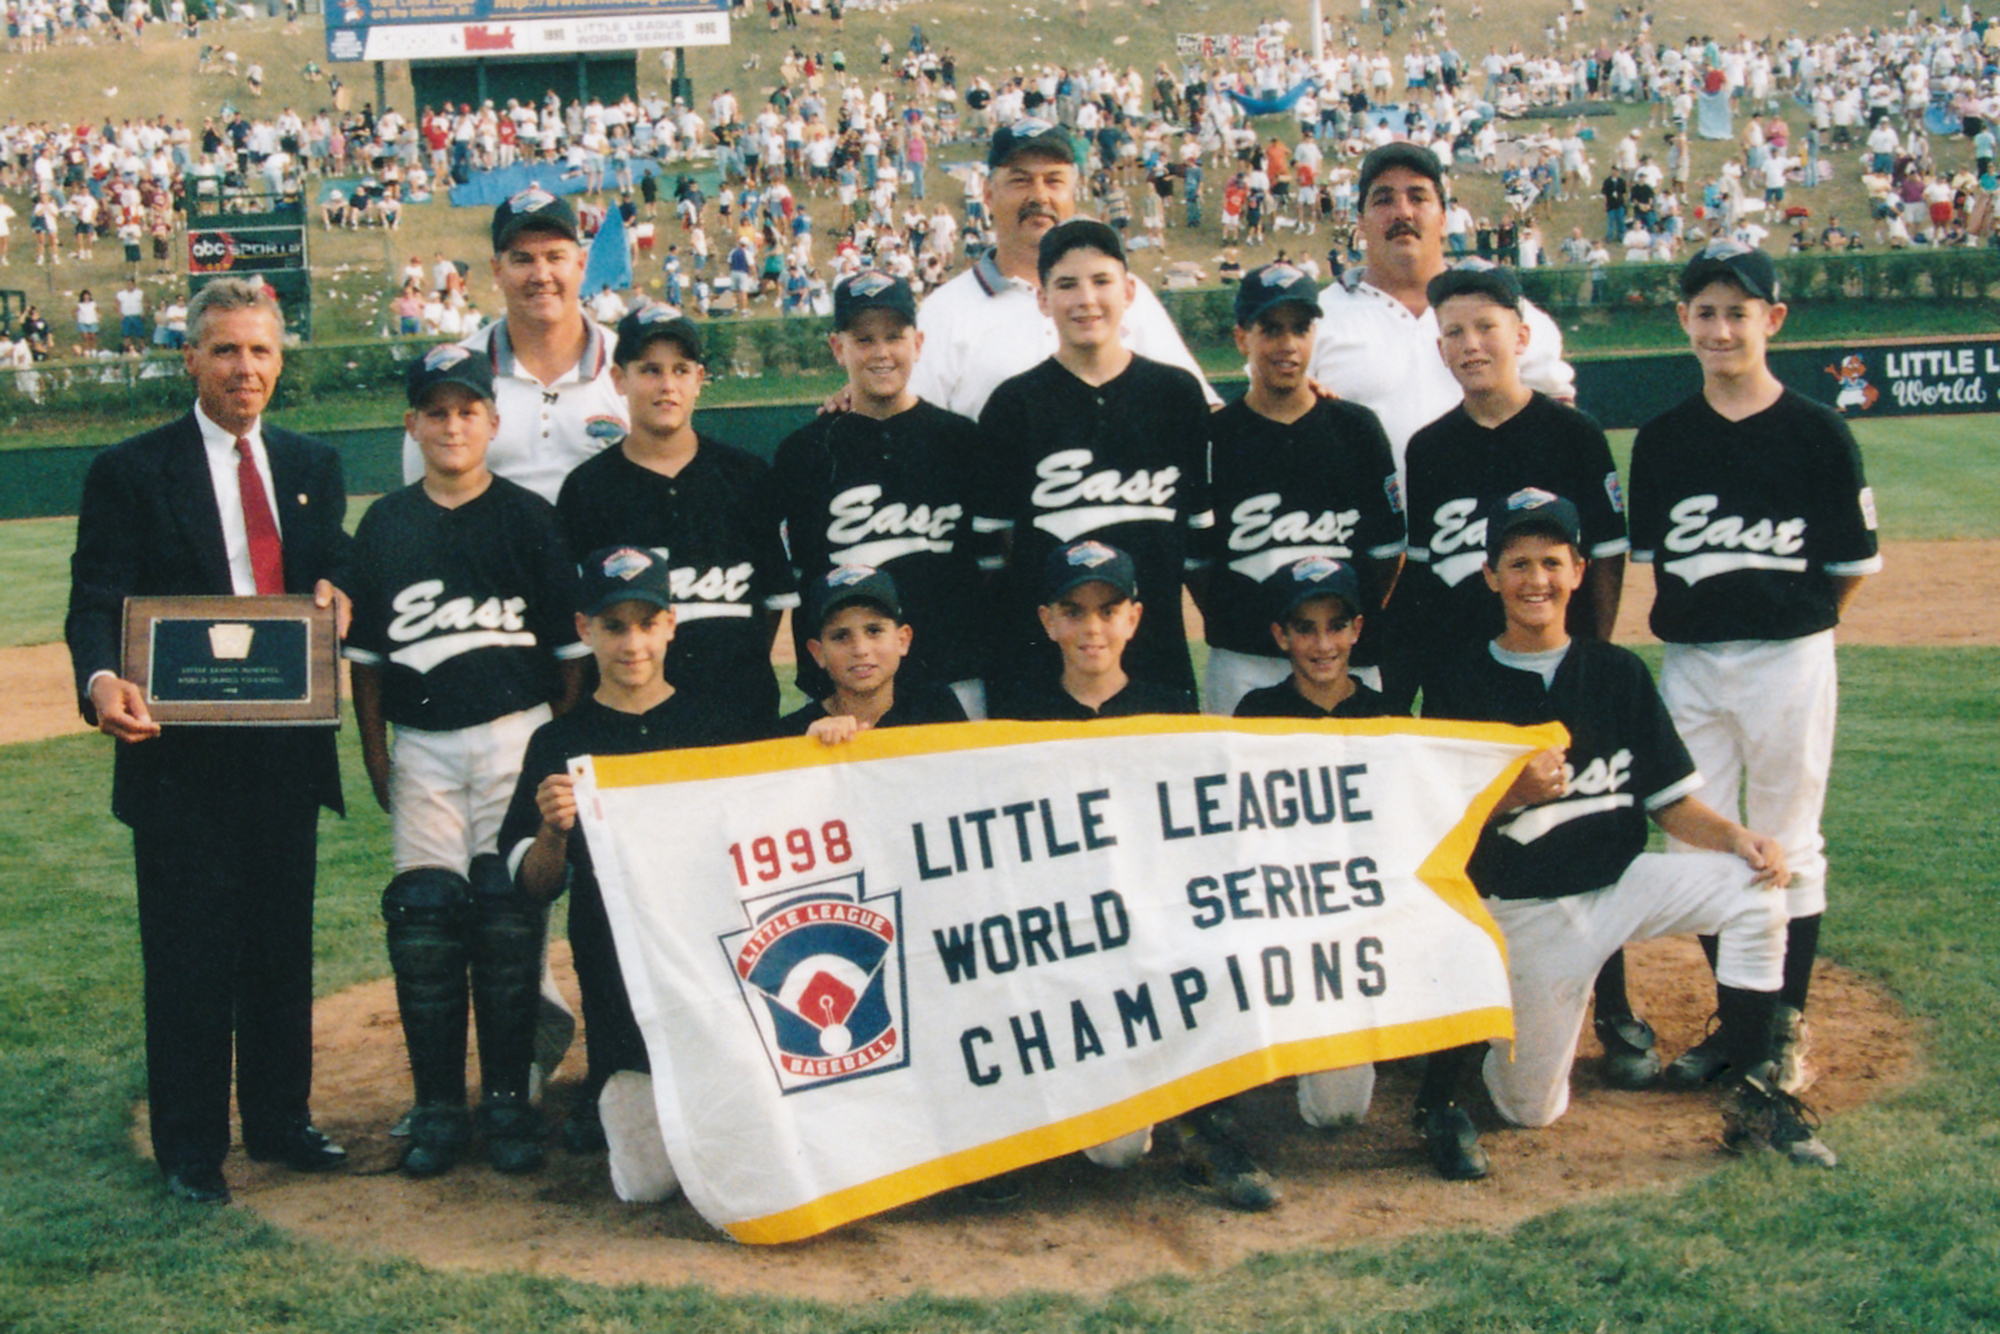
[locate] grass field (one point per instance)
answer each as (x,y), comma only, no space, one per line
(1905,1236)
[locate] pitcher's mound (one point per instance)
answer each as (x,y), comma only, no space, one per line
(1077,1228)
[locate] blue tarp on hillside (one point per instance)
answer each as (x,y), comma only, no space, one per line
(1271,106)
(488,189)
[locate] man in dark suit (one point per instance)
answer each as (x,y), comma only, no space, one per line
(224,819)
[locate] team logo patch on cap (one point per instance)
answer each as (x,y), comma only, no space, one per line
(1315,568)
(869,284)
(442,358)
(1029,128)
(627,563)
(1090,555)
(821,969)
(846,576)
(657,312)
(531,200)
(1281,276)
(1530,498)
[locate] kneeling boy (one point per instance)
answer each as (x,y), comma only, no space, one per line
(626,617)
(1562,864)
(860,641)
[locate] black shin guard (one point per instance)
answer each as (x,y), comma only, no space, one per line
(506,936)
(1446,1073)
(425,911)
(1612,1001)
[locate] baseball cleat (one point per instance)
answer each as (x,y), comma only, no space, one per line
(1757,1114)
(1701,1064)
(1631,1053)
(437,1136)
(1452,1143)
(513,1133)
(1213,1159)
(1791,1040)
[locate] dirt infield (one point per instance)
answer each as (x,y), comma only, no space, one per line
(1078,1228)
(1933,593)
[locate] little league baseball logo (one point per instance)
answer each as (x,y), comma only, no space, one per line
(821,971)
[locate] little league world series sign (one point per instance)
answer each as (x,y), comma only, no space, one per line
(870,973)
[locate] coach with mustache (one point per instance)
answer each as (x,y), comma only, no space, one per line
(985,326)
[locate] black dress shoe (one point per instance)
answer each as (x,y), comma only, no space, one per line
(302,1147)
(198,1185)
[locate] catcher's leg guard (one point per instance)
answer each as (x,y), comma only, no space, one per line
(506,937)
(426,912)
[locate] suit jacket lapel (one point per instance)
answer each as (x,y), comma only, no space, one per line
(289,480)
(190,493)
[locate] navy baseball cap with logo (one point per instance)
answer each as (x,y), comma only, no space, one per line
(1412,157)
(872,289)
(1270,286)
(533,209)
(844,585)
(449,363)
(1294,585)
(1030,134)
(652,321)
(1476,277)
(1084,562)
(1732,262)
(1530,509)
(613,575)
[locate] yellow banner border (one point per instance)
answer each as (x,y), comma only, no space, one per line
(1157,1105)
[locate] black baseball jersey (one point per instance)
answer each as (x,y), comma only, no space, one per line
(1324,485)
(679,723)
(1455,467)
(900,495)
(465,610)
(1625,760)
(1047,702)
(1747,523)
(1283,700)
(915,705)
(1124,462)
(717,522)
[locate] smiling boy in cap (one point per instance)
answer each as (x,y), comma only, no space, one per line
(893,485)
(1295,474)
(1750,503)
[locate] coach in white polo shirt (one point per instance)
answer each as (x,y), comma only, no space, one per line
(1378,337)
(551,365)
(985,325)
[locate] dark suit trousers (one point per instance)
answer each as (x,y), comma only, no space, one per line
(225,929)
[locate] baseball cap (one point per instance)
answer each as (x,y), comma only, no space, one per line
(1399,154)
(652,321)
(1312,577)
(448,363)
(1733,262)
(1476,277)
(844,585)
(1072,566)
(1076,234)
(1271,285)
(1031,133)
(1530,509)
(533,209)
(612,575)
(872,289)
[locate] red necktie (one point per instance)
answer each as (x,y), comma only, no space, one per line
(267,558)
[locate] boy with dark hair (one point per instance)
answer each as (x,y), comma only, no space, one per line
(1098,442)
(861,642)
(892,484)
(712,506)
(626,616)
(1295,474)
(1749,502)
(462,639)
(1562,862)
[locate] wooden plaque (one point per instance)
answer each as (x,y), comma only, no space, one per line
(234,661)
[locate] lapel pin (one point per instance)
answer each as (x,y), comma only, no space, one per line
(302,497)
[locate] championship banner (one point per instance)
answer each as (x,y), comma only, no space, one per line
(872,972)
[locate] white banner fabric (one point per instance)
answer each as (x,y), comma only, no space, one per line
(869,973)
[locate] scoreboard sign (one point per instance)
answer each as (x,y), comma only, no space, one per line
(449,29)
(246,249)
